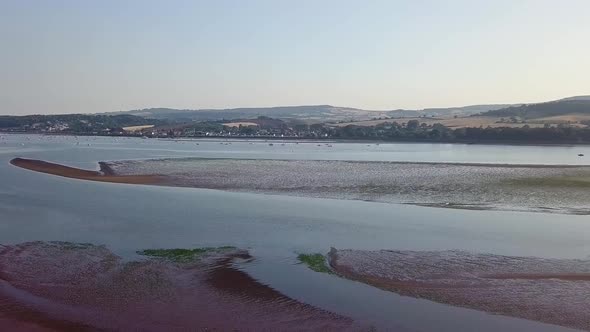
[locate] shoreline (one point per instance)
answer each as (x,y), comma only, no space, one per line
(321,140)
(108,174)
(267,176)
(105,175)
(107,171)
(496,284)
(79,287)
(431,163)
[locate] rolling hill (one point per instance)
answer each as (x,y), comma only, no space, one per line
(314,113)
(574,106)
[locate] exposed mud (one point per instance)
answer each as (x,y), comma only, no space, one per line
(554,189)
(555,291)
(78,287)
(105,175)
(548,189)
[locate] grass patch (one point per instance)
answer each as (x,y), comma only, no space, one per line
(316,262)
(181,255)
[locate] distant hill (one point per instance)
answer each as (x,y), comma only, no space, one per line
(310,114)
(583,98)
(318,113)
(314,113)
(563,107)
(465,110)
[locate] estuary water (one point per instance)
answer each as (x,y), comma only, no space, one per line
(275,228)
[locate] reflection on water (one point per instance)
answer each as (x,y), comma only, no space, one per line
(381,309)
(127,218)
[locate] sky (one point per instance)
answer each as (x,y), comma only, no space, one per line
(98,56)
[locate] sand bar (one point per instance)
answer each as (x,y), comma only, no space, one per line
(78,287)
(553,291)
(535,188)
(105,175)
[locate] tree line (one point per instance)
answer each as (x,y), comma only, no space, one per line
(414,131)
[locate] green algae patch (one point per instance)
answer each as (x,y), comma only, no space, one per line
(182,255)
(316,262)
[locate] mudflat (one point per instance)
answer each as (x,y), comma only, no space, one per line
(552,291)
(536,188)
(83,287)
(76,173)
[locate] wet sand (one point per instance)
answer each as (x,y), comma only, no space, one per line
(554,291)
(106,175)
(78,287)
(535,188)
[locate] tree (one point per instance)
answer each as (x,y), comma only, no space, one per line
(413,124)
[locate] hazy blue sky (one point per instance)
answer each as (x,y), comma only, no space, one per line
(95,56)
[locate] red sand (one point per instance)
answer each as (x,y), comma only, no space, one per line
(554,291)
(76,173)
(57,286)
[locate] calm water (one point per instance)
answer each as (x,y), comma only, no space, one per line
(126,218)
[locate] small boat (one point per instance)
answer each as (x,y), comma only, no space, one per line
(580,155)
(270,144)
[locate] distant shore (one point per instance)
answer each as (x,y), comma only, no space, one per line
(325,140)
(372,141)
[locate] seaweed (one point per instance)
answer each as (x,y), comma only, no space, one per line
(316,262)
(181,255)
